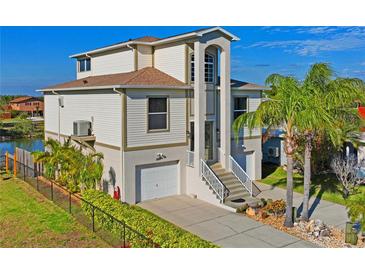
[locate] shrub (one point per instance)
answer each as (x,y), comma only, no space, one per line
(356,209)
(276,207)
(161,232)
(242,209)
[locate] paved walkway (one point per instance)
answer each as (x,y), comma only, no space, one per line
(223,227)
(330,213)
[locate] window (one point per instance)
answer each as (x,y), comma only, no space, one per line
(157,114)
(208,68)
(28,104)
(240,106)
(84,65)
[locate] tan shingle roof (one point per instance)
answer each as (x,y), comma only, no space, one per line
(144,77)
(21,99)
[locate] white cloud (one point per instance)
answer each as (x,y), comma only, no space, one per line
(348,38)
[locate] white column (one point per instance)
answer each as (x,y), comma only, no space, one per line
(199,105)
(225,106)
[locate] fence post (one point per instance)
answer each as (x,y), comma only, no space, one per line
(6,161)
(93,215)
(51,190)
(69,202)
(36,176)
(14,167)
(23,164)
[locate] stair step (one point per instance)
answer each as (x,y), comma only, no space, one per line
(235,187)
(230,181)
(220,171)
(227,176)
(244,196)
(216,166)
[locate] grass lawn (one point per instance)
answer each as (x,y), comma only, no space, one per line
(325,187)
(27,219)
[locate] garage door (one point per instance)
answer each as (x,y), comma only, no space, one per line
(156,181)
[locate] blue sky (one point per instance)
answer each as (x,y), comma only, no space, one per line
(35,57)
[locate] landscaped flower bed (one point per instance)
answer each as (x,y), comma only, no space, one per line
(315,231)
(160,231)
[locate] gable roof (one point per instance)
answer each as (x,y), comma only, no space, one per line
(154,41)
(21,99)
(146,77)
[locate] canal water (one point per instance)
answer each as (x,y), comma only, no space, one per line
(27,144)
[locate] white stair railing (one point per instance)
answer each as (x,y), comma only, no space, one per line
(190,158)
(209,176)
(241,175)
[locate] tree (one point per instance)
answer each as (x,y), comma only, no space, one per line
(347,172)
(279,109)
(70,165)
(328,109)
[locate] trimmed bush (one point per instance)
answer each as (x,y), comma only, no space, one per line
(161,232)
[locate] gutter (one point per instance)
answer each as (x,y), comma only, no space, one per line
(116,87)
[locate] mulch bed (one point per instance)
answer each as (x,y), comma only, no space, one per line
(335,240)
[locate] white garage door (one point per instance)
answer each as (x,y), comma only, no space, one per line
(157,181)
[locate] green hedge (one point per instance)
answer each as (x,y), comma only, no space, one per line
(160,231)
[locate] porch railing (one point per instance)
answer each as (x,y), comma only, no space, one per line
(190,158)
(241,175)
(209,176)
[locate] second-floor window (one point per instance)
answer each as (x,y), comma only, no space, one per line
(239,106)
(84,65)
(208,68)
(157,113)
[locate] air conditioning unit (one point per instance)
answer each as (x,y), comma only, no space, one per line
(273,152)
(82,128)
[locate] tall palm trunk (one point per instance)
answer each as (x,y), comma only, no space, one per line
(289,192)
(307,177)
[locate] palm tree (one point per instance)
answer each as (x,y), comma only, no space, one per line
(328,109)
(279,109)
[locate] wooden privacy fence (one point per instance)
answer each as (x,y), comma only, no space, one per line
(23,157)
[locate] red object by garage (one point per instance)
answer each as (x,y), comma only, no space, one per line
(116,195)
(362,112)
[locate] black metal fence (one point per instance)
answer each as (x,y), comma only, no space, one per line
(113,231)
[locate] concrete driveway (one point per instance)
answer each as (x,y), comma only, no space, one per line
(223,227)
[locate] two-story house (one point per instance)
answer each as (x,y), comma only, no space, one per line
(31,105)
(161,112)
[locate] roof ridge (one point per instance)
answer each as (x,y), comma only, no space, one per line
(138,73)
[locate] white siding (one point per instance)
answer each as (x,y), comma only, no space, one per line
(171,60)
(137,119)
(112,62)
(144,56)
(103,106)
(51,113)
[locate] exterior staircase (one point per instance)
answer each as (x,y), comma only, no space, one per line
(238,194)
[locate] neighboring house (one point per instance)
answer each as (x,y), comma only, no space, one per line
(162,117)
(31,105)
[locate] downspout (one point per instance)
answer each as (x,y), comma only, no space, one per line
(59,115)
(123,196)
